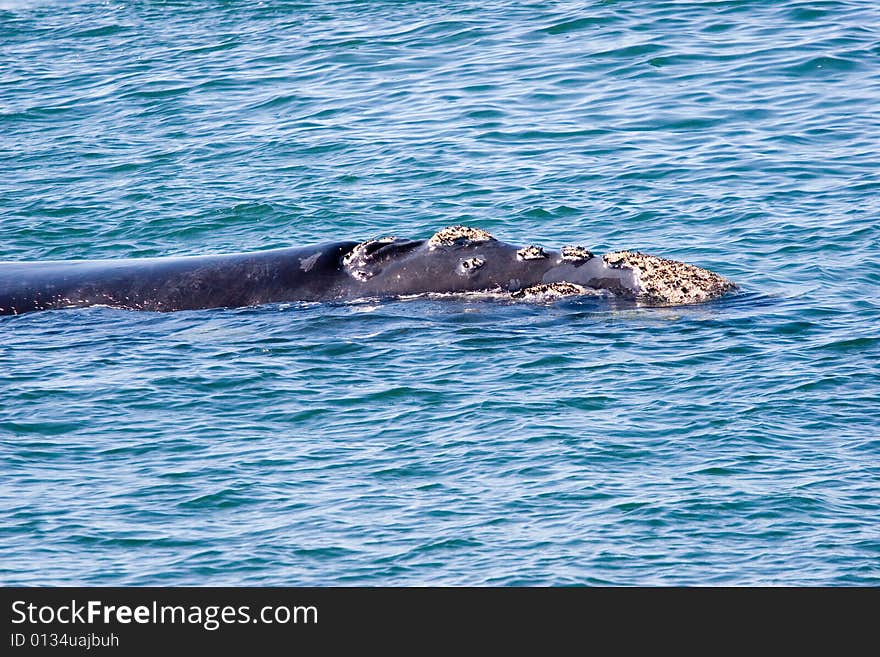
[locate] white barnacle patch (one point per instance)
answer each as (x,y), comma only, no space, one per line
(531,253)
(576,254)
(357,259)
(471,265)
(549,291)
(665,281)
(457,234)
(616,260)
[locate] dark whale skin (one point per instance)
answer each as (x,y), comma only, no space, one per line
(176,283)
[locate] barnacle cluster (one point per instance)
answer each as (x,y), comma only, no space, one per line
(531,253)
(576,253)
(457,234)
(546,291)
(665,281)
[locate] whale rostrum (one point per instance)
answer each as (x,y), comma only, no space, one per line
(455,260)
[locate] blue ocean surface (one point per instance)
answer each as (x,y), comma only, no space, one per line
(446,441)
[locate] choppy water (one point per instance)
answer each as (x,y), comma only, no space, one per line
(446,442)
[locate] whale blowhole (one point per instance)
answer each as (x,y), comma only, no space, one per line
(471,265)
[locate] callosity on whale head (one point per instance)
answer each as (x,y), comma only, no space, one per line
(646,278)
(664,281)
(461,259)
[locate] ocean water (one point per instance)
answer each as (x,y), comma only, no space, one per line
(462,442)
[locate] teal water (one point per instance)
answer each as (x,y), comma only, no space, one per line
(446,442)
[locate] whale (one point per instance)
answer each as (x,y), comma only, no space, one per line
(457,260)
